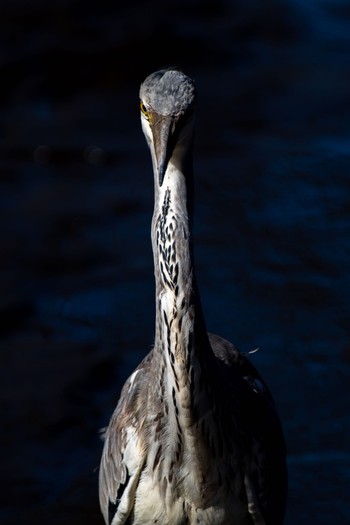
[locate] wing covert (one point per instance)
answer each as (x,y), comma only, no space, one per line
(124,451)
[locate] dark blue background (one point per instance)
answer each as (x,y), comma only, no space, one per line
(272,228)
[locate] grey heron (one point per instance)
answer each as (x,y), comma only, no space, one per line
(195,437)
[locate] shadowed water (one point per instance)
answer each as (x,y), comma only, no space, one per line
(272,229)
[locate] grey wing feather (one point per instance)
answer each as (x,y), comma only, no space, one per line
(266,476)
(231,356)
(124,451)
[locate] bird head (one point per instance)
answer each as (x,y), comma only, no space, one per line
(167,100)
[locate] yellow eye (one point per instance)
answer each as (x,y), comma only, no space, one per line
(144,109)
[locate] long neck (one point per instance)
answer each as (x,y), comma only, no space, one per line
(183,360)
(180,326)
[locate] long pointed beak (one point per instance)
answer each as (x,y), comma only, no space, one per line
(163,139)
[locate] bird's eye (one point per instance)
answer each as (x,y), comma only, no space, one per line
(144,110)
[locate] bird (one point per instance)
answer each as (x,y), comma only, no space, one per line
(195,437)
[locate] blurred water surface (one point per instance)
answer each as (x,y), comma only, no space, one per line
(271,229)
